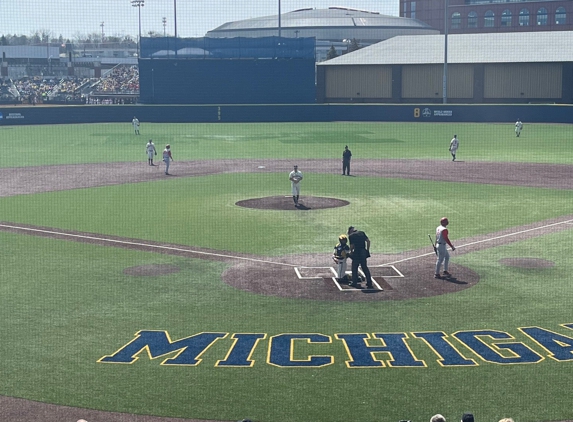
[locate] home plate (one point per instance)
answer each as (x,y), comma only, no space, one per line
(346,288)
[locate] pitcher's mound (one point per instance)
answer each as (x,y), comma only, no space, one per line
(286,203)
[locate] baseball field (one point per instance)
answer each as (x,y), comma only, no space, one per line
(131,295)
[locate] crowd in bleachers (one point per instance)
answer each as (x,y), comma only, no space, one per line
(120,80)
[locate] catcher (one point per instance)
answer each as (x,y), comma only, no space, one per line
(340,255)
(295,177)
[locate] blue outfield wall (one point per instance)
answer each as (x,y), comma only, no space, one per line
(40,115)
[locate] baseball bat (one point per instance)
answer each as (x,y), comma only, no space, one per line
(433,245)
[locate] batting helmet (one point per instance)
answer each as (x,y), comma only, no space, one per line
(444,220)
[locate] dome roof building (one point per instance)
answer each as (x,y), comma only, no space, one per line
(335,26)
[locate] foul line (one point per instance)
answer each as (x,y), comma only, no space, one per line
(485,240)
(146,245)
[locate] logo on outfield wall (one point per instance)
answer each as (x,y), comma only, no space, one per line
(427,112)
(1,116)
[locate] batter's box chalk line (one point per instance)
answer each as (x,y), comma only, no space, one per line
(316,273)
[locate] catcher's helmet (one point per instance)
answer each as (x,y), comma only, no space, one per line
(342,238)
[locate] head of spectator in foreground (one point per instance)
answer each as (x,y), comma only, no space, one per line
(468,417)
(438,418)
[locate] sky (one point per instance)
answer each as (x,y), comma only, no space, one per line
(70,18)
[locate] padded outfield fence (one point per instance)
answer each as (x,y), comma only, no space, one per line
(422,113)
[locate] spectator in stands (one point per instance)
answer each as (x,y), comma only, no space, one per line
(468,417)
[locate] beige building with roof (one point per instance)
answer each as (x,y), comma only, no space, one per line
(534,67)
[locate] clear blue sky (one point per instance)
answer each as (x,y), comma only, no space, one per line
(194,17)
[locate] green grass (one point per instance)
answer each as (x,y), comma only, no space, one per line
(65,305)
(200,211)
(96,143)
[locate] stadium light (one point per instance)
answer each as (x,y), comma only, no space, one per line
(175,16)
(164,20)
(139,4)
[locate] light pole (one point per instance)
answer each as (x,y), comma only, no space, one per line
(279,18)
(445,76)
(102,34)
(164,20)
(139,4)
(175,16)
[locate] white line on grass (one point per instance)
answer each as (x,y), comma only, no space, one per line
(485,240)
(124,242)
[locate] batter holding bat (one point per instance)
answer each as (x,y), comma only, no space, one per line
(442,240)
(295,177)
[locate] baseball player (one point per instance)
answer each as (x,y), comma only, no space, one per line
(135,123)
(295,177)
(167,157)
(518,127)
(442,240)
(346,156)
(454,143)
(340,255)
(150,149)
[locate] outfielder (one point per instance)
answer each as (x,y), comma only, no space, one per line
(442,240)
(135,123)
(295,177)
(151,151)
(518,127)
(167,157)
(340,255)
(454,143)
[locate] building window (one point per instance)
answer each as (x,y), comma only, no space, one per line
(488,19)
(560,16)
(542,16)
(472,20)
(506,18)
(456,20)
(524,17)
(413,10)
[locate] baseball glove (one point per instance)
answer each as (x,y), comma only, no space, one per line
(296,179)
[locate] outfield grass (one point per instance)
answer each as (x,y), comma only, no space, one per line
(100,143)
(65,305)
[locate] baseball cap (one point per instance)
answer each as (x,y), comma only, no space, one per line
(468,417)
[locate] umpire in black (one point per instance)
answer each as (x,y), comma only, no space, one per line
(359,252)
(346,156)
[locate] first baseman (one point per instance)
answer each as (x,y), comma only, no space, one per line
(454,143)
(442,240)
(295,177)
(151,151)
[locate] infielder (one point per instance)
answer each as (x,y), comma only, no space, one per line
(150,149)
(442,240)
(518,127)
(295,177)
(167,157)
(454,143)
(135,123)
(340,255)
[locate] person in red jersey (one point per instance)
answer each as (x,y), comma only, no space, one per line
(442,241)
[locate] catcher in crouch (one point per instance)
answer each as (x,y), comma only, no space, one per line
(295,177)
(340,255)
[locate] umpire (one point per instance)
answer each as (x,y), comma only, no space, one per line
(359,252)
(346,156)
